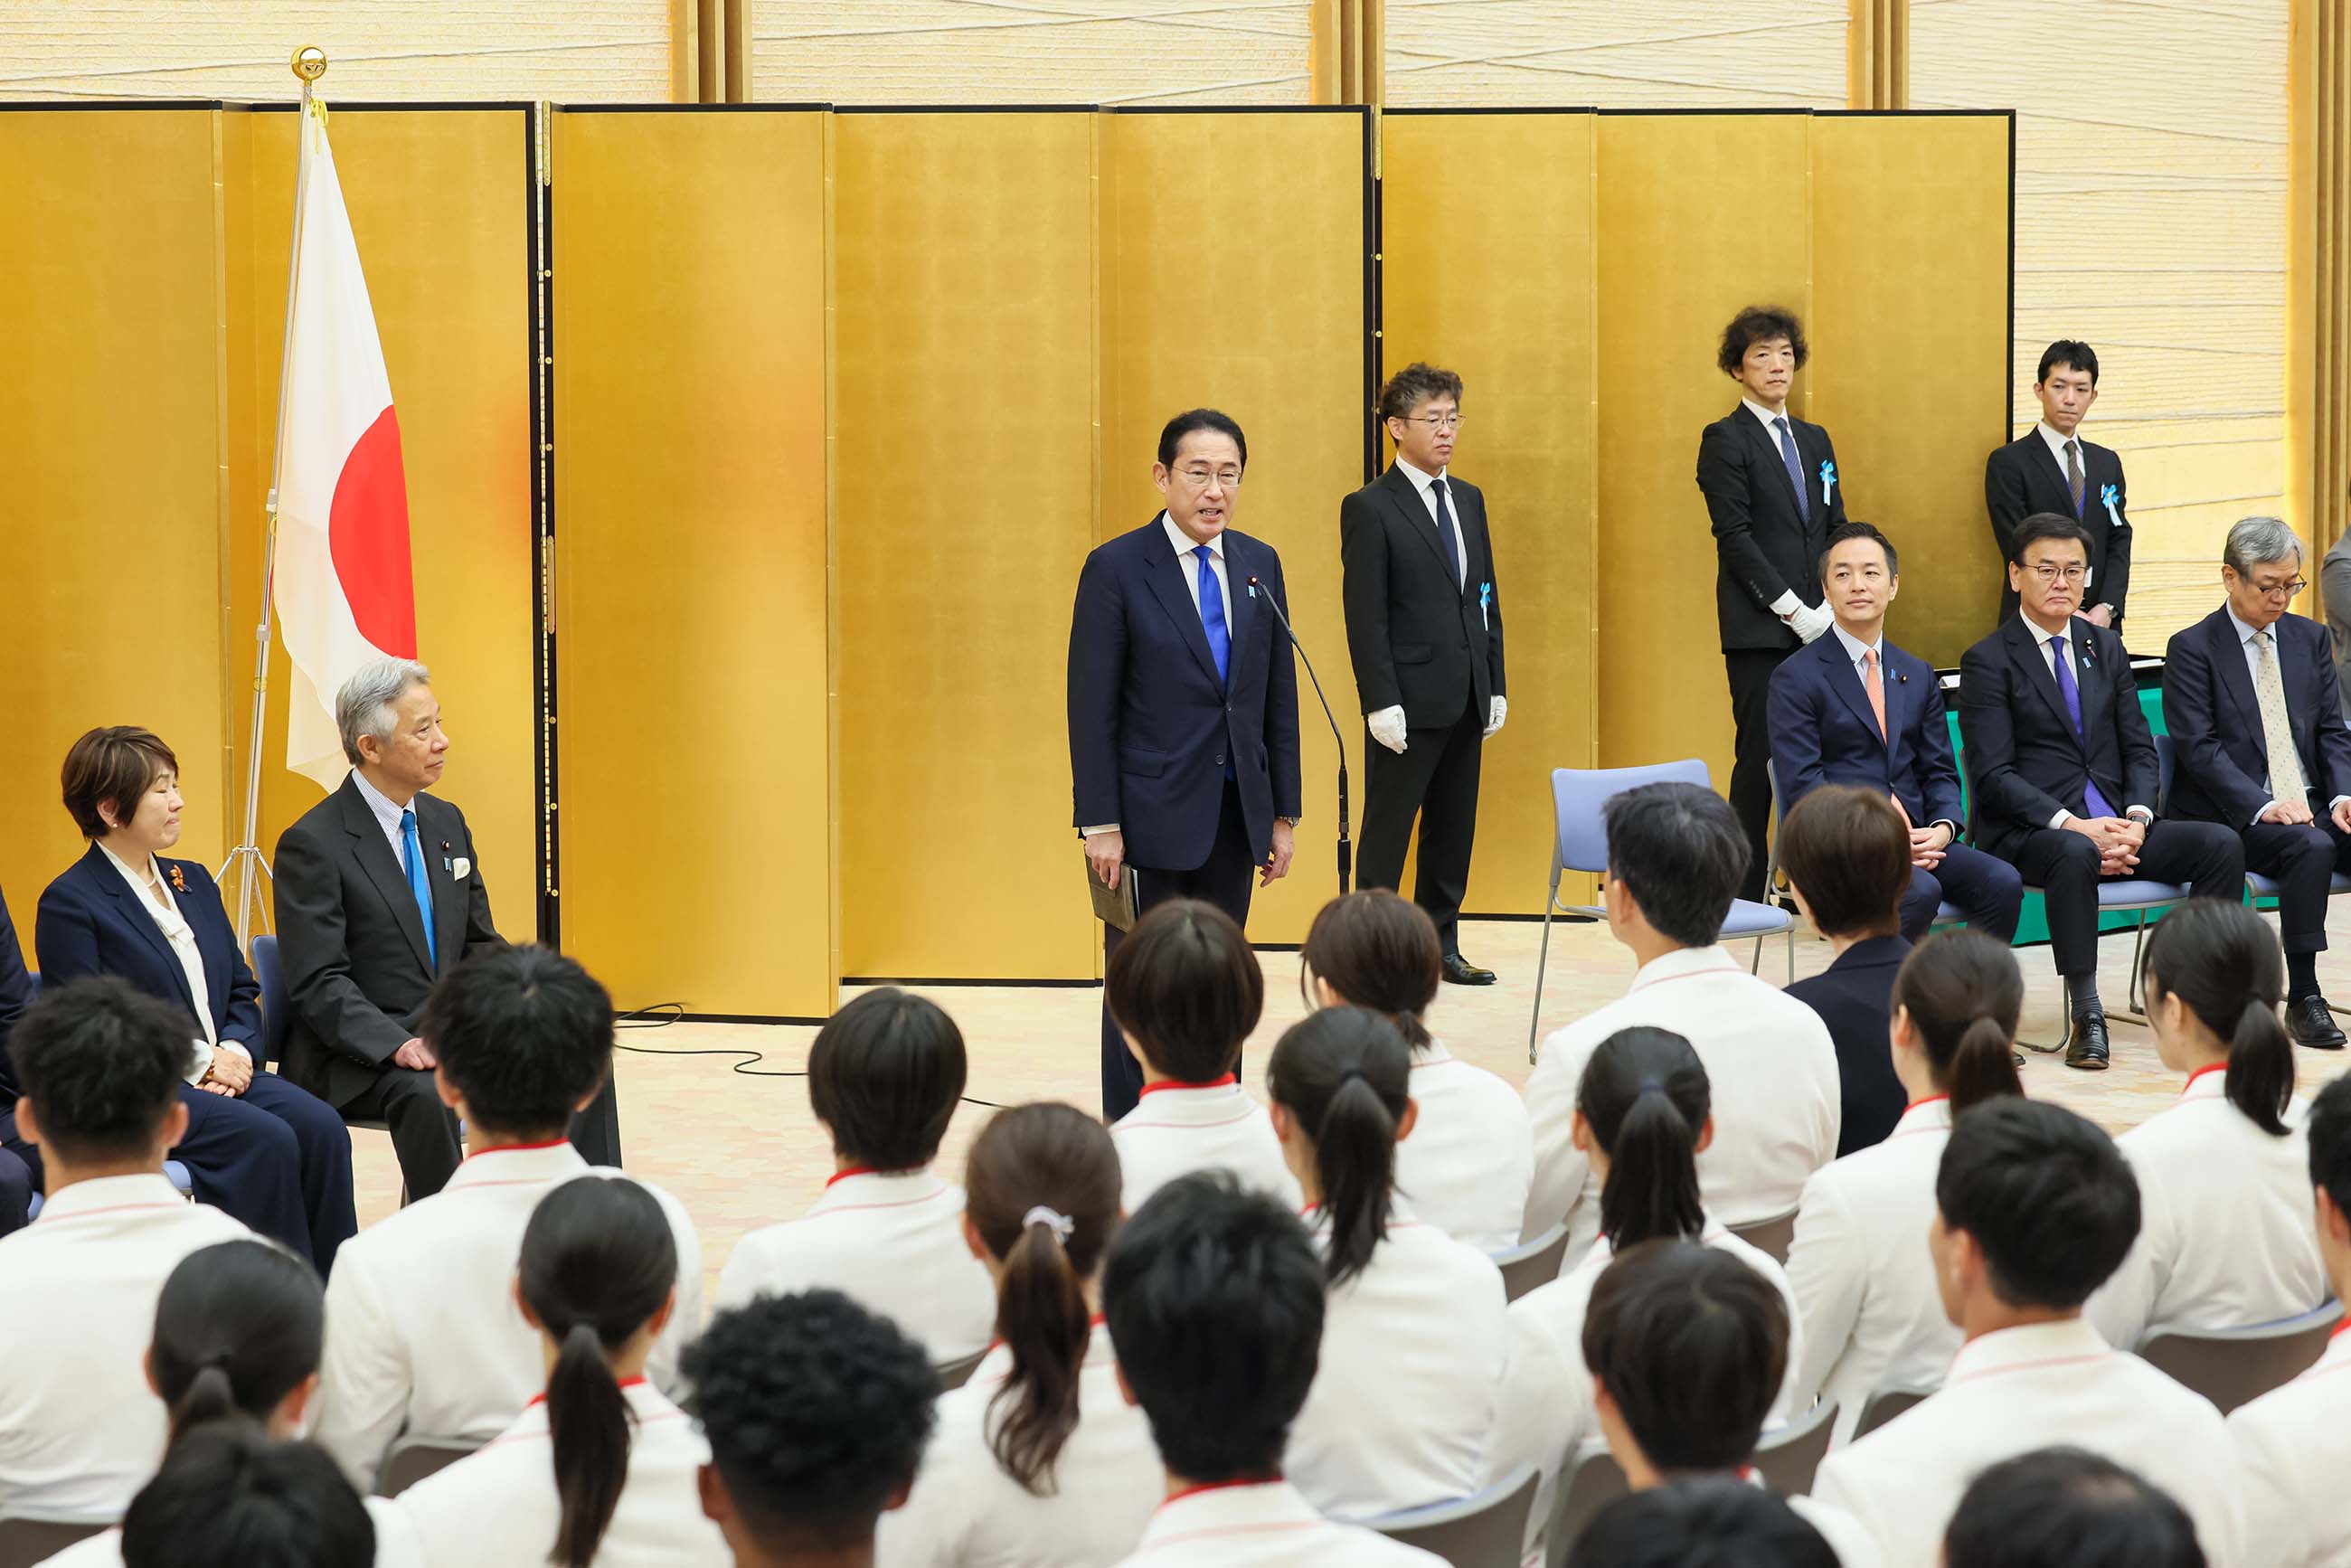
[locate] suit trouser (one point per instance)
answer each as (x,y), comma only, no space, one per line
(322,1148)
(1749,670)
(1985,889)
(2064,865)
(2304,860)
(424,1131)
(1224,880)
(1434,778)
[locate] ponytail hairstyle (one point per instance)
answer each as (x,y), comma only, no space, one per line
(1645,1094)
(1042,1190)
(598,1261)
(1964,994)
(2224,962)
(1378,951)
(237,1328)
(1347,1075)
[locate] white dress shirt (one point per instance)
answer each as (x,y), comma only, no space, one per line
(1773,1072)
(889,1241)
(423,1336)
(1863,1278)
(2295,1448)
(967,1512)
(1424,485)
(2038,1386)
(1267,1524)
(80,1431)
(1405,1396)
(1177,1128)
(1471,1156)
(2076,640)
(387,817)
(2245,635)
(181,937)
(2225,1240)
(2056,445)
(1788,603)
(395,1542)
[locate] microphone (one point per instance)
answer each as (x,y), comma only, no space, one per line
(1346,850)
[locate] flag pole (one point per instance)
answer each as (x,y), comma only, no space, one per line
(308,64)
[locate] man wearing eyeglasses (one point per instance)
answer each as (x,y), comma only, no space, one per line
(1183,704)
(2258,746)
(2064,777)
(1424,633)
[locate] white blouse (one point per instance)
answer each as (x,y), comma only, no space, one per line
(181,939)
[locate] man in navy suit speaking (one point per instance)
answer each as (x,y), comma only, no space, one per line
(1183,702)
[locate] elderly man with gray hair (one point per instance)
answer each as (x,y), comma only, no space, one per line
(2252,701)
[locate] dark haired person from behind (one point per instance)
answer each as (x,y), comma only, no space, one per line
(1215,1300)
(815,1412)
(1711,1521)
(1424,633)
(1183,704)
(884,1076)
(2050,468)
(600,1467)
(2067,1508)
(1773,493)
(2036,1208)
(232,1497)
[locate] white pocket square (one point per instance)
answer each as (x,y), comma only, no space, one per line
(462,868)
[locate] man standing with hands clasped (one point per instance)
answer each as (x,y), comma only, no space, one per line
(1425,631)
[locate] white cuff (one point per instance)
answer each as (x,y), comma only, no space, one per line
(2264,811)
(243,1054)
(1098,831)
(1787,604)
(2060,819)
(2139,814)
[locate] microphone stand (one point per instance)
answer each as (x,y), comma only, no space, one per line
(1346,850)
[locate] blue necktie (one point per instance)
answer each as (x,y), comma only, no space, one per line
(1445,529)
(1212,612)
(2063,666)
(1795,467)
(413,853)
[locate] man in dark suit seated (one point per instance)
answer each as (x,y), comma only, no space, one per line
(1183,704)
(2063,767)
(2258,746)
(1853,708)
(15,996)
(2050,468)
(378,895)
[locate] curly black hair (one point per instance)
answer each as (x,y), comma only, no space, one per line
(1760,324)
(816,1411)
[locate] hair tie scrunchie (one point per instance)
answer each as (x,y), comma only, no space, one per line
(1650,1086)
(1060,1224)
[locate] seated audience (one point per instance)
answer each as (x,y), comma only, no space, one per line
(18,1183)
(815,1412)
(1688,1348)
(238,1330)
(1413,1335)
(1185,991)
(2293,1442)
(232,1497)
(2036,1208)
(1215,1299)
(1848,859)
(423,1336)
(1675,854)
(2224,1236)
(1708,1522)
(884,1078)
(1038,1459)
(98,1063)
(2068,1508)
(1471,1158)
(1865,1283)
(1644,1114)
(602,1469)
(257,1146)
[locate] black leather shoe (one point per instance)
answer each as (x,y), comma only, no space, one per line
(1460,971)
(2087,1049)
(2311,1023)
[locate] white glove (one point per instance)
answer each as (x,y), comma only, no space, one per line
(1387,727)
(1495,711)
(1810,620)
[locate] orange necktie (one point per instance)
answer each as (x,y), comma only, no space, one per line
(1876,689)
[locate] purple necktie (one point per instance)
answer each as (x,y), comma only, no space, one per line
(2063,666)
(1795,468)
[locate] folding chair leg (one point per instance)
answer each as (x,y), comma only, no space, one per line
(1535,1020)
(1792,955)
(2136,1010)
(1755,965)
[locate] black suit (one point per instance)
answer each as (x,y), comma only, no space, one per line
(2221,769)
(1766,544)
(2024,477)
(1192,766)
(1854,997)
(2026,762)
(15,996)
(1425,635)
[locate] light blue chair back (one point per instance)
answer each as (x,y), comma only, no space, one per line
(1578,794)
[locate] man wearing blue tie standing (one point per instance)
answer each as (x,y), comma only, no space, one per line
(1183,704)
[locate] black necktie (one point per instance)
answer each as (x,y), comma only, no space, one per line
(1444,531)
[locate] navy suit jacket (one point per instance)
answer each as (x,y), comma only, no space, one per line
(1854,997)
(2024,757)
(1150,726)
(89,922)
(15,996)
(1823,732)
(2220,755)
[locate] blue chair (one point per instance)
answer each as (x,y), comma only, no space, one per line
(277,1021)
(173,1171)
(1946,913)
(1486,1529)
(1580,843)
(1533,1263)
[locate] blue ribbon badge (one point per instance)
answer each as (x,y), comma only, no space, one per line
(1485,597)
(1828,483)
(2110,497)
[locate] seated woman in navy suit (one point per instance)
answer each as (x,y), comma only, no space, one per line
(257,1147)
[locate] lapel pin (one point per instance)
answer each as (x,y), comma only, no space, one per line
(178,880)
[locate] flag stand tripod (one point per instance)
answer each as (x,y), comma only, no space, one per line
(309,63)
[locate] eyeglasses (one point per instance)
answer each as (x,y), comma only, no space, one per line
(1199,478)
(2072,575)
(1435,421)
(2277,590)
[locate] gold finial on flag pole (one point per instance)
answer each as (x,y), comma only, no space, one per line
(310,62)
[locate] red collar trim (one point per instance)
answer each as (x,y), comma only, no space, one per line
(2341,1328)
(520,1148)
(1273,1479)
(1927,1100)
(2216,1066)
(540,1398)
(870,1170)
(1226,1082)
